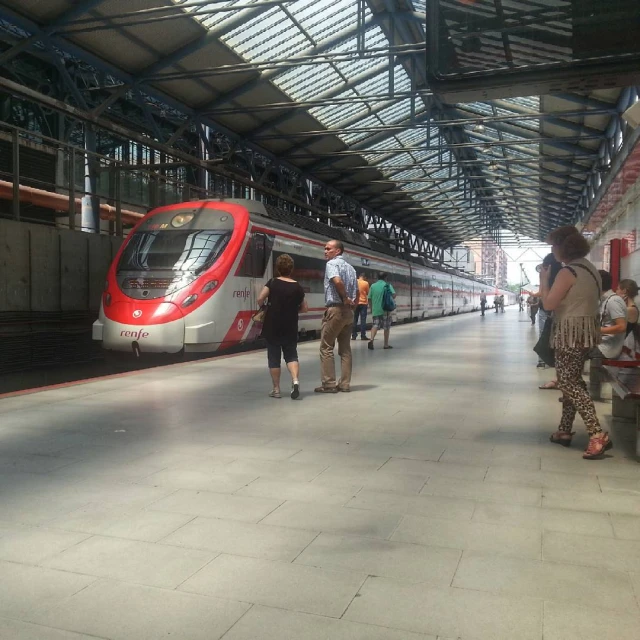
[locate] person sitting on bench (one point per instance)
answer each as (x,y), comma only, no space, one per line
(613,321)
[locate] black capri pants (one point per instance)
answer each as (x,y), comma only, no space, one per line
(276,351)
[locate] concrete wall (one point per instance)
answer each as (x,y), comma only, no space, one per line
(43,269)
(50,286)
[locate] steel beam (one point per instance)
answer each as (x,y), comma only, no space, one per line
(522,113)
(530,134)
(616,165)
(80,7)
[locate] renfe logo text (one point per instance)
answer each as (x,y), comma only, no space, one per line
(245,293)
(141,333)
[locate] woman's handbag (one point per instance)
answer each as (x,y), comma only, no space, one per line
(543,347)
(260,314)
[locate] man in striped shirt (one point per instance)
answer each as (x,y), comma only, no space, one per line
(340,295)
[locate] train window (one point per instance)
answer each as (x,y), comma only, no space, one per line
(158,263)
(308,271)
(259,242)
(256,256)
(185,251)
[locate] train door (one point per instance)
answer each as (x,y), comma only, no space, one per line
(411,293)
(453,295)
(255,264)
(259,246)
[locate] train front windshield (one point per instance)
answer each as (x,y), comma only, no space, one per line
(160,262)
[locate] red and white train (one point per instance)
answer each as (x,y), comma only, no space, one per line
(188,275)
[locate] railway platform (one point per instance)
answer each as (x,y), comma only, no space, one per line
(183,502)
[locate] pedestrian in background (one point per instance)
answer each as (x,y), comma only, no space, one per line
(381,315)
(360,314)
(533,302)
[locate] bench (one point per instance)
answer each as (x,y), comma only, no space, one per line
(597,373)
(625,382)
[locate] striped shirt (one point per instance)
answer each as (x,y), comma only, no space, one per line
(339,267)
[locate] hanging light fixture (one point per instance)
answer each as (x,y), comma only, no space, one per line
(478,127)
(493,166)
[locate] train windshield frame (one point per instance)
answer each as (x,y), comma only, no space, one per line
(160,262)
(189,250)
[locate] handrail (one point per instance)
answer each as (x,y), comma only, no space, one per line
(60,202)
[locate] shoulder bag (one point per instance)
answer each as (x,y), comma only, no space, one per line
(543,347)
(259,315)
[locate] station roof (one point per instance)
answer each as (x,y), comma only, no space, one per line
(338,89)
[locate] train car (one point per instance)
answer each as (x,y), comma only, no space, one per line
(187,277)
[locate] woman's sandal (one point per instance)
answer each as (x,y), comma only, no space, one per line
(549,386)
(562,437)
(597,446)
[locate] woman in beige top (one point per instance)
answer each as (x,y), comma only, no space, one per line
(574,299)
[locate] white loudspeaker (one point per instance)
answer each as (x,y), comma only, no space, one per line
(632,115)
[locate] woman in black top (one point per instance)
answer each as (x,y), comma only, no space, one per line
(554,267)
(280,329)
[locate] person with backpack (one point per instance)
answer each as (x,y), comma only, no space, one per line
(382,299)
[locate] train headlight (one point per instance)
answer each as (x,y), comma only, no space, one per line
(107,299)
(210,286)
(181,219)
(190,299)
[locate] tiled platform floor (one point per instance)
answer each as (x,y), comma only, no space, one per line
(184,503)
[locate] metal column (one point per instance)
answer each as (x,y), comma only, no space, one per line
(16,175)
(90,206)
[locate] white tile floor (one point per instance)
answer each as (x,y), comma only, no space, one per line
(183,502)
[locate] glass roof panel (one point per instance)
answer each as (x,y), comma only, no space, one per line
(302,85)
(334,116)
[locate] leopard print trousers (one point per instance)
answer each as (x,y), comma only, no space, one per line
(576,398)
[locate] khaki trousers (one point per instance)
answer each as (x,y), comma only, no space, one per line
(336,325)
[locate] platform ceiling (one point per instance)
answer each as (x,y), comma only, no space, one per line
(338,88)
